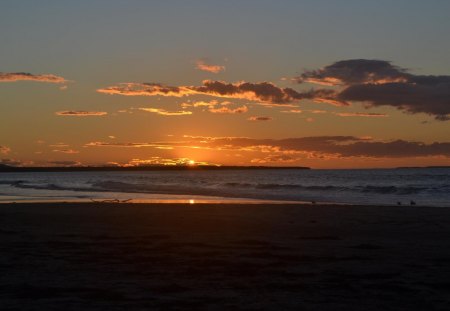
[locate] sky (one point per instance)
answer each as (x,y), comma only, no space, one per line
(324,84)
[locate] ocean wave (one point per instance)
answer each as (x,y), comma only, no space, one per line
(393,189)
(221,189)
(375,189)
(335,186)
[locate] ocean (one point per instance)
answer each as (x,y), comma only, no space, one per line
(422,186)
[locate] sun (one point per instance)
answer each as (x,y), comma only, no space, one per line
(191,162)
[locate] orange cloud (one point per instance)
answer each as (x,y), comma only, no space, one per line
(361,114)
(146,89)
(4,149)
(165,112)
(311,147)
(68,151)
(226,110)
(331,101)
(202,65)
(292,111)
(263,91)
(126,145)
(164,161)
(260,118)
(24,76)
(72,113)
(275,159)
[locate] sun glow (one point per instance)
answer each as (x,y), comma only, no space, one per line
(191,162)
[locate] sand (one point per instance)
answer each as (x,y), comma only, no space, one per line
(223,257)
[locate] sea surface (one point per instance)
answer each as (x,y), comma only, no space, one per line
(423,186)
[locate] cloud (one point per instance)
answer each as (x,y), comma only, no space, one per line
(159,161)
(409,97)
(226,110)
(275,159)
(126,144)
(165,112)
(67,151)
(312,147)
(164,161)
(361,114)
(201,103)
(59,145)
(202,65)
(263,91)
(355,71)
(259,118)
(379,83)
(4,149)
(11,162)
(292,111)
(24,76)
(146,89)
(72,113)
(339,146)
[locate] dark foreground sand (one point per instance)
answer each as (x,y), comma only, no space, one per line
(223,257)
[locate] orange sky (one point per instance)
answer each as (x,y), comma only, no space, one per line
(131,88)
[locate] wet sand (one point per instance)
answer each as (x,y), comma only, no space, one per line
(89,256)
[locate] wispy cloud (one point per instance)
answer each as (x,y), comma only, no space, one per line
(379,83)
(4,150)
(202,65)
(311,147)
(24,76)
(263,91)
(125,144)
(67,151)
(165,112)
(13,162)
(361,114)
(73,113)
(146,89)
(283,158)
(260,118)
(227,110)
(164,161)
(342,146)
(292,111)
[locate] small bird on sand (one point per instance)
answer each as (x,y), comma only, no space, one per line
(412,202)
(399,203)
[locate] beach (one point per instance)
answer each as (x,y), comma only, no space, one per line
(106,256)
